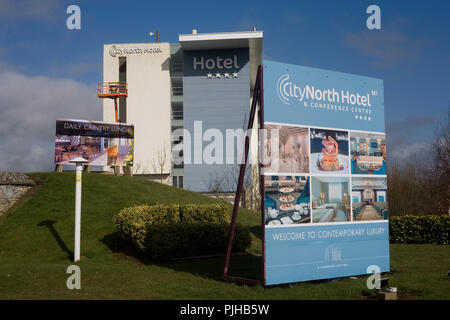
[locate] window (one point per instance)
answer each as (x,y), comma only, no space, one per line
(176,60)
(176,65)
(335,192)
(177,110)
(177,181)
(122,78)
(177,86)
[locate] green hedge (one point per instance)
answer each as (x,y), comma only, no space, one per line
(419,229)
(167,231)
(195,239)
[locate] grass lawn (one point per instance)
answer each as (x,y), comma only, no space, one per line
(36,245)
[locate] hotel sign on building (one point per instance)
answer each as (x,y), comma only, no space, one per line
(120,51)
(216,96)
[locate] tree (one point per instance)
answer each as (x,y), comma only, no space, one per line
(162,159)
(438,178)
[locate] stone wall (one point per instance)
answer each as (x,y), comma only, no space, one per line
(12,187)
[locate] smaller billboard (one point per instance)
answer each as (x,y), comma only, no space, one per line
(100,143)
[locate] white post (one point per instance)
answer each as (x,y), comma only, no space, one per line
(78,171)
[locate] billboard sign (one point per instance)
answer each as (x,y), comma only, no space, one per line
(100,143)
(325,189)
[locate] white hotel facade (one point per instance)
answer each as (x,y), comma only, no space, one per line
(204,77)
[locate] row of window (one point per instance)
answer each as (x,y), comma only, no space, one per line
(177,110)
(176,73)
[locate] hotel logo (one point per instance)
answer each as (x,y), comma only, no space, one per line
(287,91)
(116,51)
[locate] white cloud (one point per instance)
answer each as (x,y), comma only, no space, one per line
(415,150)
(29,107)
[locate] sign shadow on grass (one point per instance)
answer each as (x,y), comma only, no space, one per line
(242,264)
(49,224)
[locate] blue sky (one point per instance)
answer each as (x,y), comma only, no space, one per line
(411,53)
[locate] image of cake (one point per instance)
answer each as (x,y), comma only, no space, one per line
(329,151)
(328,160)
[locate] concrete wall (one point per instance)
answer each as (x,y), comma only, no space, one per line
(12,187)
(148,102)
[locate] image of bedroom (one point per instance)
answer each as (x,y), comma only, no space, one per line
(287,200)
(329,151)
(330,199)
(369,199)
(368,153)
(287,149)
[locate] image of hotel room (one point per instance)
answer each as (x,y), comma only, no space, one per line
(293,146)
(369,200)
(287,200)
(368,153)
(330,199)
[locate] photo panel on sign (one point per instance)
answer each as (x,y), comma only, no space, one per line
(329,151)
(286,149)
(330,199)
(369,198)
(287,200)
(368,153)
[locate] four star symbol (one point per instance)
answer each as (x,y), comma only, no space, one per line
(367,118)
(225,75)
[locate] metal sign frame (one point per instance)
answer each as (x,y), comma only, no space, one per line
(258,98)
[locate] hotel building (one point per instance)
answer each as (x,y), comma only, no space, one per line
(205,77)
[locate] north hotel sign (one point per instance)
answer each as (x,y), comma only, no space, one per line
(319,223)
(118,51)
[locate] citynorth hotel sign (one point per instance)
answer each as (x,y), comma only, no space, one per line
(117,51)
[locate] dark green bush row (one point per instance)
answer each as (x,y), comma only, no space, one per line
(186,240)
(168,231)
(420,229)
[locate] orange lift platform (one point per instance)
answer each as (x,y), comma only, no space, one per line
(113,90)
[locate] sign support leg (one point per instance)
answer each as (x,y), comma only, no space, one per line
(256,98)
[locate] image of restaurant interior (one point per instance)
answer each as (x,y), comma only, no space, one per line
(98,151)
(368,153)
(292,153)
(330,199)
(369,199)
(70,147)
(287,200)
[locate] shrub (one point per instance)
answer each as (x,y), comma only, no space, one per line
(211,213)
(164,231)
(420,229)
(165,241)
